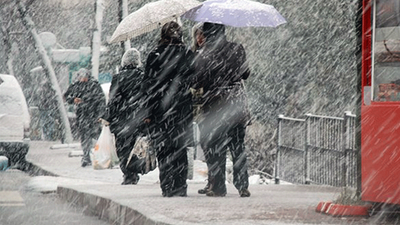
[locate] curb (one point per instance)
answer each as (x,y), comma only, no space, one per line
(104,209)
(35,170)
(342,210)
(111,211)
(92,205)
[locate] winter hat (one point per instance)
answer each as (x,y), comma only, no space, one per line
(83,73)
(131,57)
(213,29)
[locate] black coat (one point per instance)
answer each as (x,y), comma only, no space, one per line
(93,101)
(220,68)
(125,101)
(168,73)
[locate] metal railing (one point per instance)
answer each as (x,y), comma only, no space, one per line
(318,150)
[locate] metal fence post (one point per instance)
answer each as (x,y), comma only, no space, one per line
(306,151)
(192,151)
(317,149)
(278,152)
(196,140)
(345,137)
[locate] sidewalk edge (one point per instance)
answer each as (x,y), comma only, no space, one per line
(104,209)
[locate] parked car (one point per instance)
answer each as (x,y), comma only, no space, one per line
(14,121)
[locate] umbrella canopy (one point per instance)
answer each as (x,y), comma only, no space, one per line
(151,16)
(236,13)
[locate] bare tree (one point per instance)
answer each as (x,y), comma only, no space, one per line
(47,66)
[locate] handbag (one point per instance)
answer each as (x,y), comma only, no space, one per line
(144,151)
(104,153)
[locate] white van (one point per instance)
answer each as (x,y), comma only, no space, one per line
(14,121)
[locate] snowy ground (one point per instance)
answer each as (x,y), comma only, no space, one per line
(81,175)
(47,184)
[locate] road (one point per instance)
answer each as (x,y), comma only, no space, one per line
(23,205)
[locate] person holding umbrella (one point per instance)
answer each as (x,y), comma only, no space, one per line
(220,68)
(197,37)
(168,74)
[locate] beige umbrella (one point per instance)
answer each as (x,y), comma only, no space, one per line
(151,16)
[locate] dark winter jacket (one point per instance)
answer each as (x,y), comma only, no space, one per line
(125,101)
(92,96)
(47,97)
(220,68)
(169,70)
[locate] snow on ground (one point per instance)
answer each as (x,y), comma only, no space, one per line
(47,184)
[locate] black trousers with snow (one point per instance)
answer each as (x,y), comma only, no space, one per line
(89,131)
(171,151)
(215,140)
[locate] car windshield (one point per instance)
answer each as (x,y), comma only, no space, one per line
(10,101)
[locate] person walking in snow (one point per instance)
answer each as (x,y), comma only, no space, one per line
(220,69)
(122,113)
(167,75)
(197,38)
(89,100)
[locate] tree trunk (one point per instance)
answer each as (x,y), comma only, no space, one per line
(96,42)
(48,68)
(7,46)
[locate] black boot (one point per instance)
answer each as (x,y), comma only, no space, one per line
(244,193)
(85,162)
(182,192)
(205,189)
(215,190)
(211,193)
(130,179)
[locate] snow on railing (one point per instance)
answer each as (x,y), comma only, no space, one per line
(317,149)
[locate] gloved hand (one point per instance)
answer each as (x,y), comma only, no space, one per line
(104,122)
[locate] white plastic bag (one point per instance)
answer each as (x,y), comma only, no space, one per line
(104,152)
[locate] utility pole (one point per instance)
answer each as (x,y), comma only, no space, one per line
(123,12)
(96,42)
(358,51)
(48,68)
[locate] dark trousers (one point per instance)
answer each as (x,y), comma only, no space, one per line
(215,143)
(87,143)
(171,150)
(89,133)
(48,124)
(124,146)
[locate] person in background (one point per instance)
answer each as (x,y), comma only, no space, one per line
(89,100)
(197,37)
(198,40)
(122,112)
(48,111)
(168,74)
(220,69)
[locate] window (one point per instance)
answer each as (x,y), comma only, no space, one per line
(386,50)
